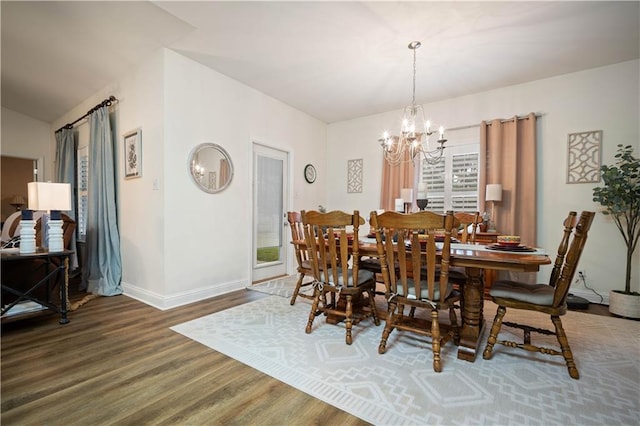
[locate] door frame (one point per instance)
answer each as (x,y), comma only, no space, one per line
(287,253)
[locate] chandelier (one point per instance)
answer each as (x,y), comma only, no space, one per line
(414,132)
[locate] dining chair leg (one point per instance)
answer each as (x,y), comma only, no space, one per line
(314,309)
(372,306)
(453,318)
(493,335)
(435,341)
(566,350)
(388,328)
(297,289)
(348,321)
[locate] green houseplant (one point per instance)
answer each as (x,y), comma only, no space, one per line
(620,196)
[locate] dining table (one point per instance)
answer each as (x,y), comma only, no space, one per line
(476,258)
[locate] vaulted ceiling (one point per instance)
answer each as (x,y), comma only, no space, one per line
(332,60)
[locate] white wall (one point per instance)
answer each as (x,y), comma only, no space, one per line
(26,137)
(604,98)
(208,237)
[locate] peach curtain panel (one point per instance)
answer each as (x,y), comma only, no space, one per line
(394,178)
(508,157)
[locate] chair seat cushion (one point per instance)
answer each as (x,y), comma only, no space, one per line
(305,264)
(372,265)
(457,275)
(539,294)
(363,277)
(424,292)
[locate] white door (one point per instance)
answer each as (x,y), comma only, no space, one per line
(270,195)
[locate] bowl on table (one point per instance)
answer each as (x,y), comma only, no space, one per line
(509,240)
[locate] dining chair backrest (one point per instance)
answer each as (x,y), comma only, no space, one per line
(468,220)
(332,239)
(416,253)
(564,268)
(297,235)
(302,256)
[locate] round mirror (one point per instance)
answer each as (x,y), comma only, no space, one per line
(210,167)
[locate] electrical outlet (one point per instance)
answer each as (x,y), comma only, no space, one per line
(582,273)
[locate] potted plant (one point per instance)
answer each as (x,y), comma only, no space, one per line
(620,197)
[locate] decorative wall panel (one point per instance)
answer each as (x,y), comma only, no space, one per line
(354,175)
(583,157)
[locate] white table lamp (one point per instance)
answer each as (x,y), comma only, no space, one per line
(399,205)
(407,196)
(52,198)
(493,194)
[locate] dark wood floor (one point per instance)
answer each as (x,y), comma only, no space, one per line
(117,362)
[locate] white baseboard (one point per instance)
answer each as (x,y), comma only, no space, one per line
(590,295)
(164,302)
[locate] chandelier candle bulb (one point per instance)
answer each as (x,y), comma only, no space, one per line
(422,191)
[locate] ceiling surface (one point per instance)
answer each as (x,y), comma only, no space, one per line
(332,60)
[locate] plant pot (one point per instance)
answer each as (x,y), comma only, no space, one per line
(625,305)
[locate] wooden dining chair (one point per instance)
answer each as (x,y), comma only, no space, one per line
(339,289)
(302,256)
(467,220)
(550,299)
(458,275)
(426,291)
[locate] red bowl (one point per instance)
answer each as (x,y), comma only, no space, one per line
(509,244)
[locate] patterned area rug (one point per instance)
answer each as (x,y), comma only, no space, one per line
(400,387)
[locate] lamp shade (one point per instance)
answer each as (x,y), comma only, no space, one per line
(494,192)
(49,196)
(17,200)
(407,195)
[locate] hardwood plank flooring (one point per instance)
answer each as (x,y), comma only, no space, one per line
(117,362)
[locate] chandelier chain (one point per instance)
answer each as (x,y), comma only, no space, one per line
(413,99)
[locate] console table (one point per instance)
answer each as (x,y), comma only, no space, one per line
(55,265)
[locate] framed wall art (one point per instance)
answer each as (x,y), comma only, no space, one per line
(583,157)
(133,154)
(354,175)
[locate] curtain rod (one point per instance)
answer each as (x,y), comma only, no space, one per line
(471,126)
(107,102)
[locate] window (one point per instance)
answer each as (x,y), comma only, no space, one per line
(452,184)
(83,192)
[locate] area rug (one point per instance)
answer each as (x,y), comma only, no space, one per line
(282,287)
(400,386)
